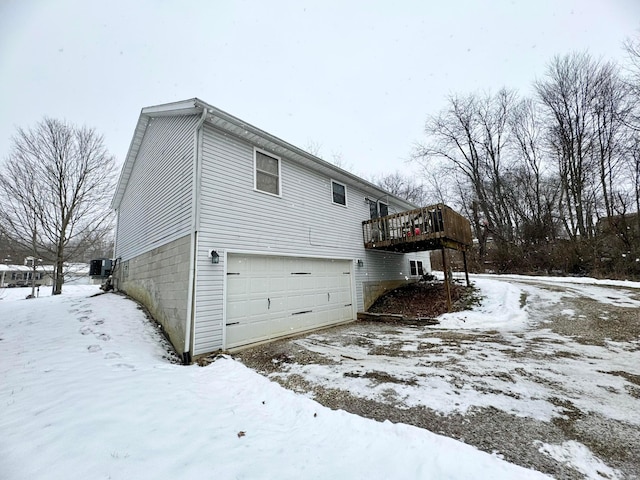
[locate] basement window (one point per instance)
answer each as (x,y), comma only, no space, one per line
(416,268)
(339,193)
(267,172)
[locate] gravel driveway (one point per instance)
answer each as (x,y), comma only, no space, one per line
(559,394)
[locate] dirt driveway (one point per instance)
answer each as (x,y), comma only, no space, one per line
(558,392)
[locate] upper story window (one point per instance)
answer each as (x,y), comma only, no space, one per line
(267,172)
(339,193)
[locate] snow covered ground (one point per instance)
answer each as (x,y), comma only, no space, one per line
(86,391)
(522,352)
(500,364)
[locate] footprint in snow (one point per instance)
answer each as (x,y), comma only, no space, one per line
(110,355)
(98,322)
(85,330)
(103,336)
(84,318)
(94,348)
(124,366)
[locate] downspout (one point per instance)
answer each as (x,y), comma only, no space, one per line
(195,224)
(115,282)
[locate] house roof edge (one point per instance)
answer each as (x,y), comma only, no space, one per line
(195,105)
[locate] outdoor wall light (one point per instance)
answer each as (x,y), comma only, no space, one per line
(215,258)
(359,262)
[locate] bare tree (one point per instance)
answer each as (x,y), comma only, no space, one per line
(403,186)
(632,47)
(587,107)
(314,148)
(470,136)
(56,185)
(567,94)
(534,189)
(338,160)
(538,176)
(632,80)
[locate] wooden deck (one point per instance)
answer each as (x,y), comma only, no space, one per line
(427,228)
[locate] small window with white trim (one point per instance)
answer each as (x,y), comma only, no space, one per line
(339,193)
(266,172)
(416,268)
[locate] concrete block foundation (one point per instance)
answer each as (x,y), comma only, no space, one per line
(159,280)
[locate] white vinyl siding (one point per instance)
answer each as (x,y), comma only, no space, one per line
(235,218)
(156,206)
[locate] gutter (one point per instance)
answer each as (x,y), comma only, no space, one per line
(321,164)
(195,224)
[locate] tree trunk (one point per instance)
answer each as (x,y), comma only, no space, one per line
(58,277)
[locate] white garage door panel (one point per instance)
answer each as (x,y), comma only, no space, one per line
(268,297)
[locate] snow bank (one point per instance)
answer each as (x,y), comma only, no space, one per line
(500,308)
(574,280)
(503,304)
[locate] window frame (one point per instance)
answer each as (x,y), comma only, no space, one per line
(257,150)
(416,268)
(345,193)
(380,209)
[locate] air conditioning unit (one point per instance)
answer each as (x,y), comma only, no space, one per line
(100,267)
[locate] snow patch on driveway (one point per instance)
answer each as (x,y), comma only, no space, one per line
(580,458)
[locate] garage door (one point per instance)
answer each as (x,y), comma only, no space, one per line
(269,297)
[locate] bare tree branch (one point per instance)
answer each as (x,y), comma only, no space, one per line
(57,182)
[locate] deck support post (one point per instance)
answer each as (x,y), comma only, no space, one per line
(446,279)
(466,269)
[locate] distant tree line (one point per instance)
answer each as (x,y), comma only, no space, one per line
(549,183)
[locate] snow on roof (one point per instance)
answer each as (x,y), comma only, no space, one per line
(73,268)
(25,268)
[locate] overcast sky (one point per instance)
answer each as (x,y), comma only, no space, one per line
(356,78)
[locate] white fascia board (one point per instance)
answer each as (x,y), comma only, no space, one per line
(184,107)
(134,146)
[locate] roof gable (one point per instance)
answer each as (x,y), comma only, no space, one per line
(243,130)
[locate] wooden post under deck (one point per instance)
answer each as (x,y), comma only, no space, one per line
(446,279)
(466,270)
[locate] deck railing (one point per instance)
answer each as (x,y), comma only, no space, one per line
(422,225)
